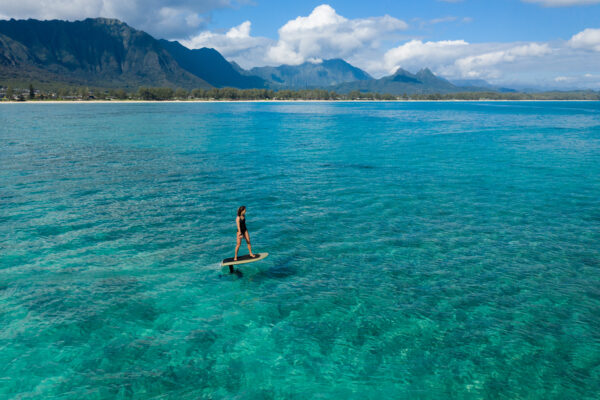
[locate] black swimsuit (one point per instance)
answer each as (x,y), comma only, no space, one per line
(243,226)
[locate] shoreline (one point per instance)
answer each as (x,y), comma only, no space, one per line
(280,101)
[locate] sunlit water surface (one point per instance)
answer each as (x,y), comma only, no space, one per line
(418,251)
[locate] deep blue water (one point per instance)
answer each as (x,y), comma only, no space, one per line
(418,251)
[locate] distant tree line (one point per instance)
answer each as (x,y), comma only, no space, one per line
(165,93)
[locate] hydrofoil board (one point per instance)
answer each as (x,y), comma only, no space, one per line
(244,259)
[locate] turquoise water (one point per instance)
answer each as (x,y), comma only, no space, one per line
(418,251)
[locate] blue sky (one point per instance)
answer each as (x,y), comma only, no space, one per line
(492,20)
(535,43)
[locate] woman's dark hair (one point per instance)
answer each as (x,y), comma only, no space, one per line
(242,208)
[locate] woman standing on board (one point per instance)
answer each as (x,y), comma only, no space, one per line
(242,232)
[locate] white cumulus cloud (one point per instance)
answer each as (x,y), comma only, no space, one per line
(564,79)
(587,39)
(323,34)
(236,44)
(326,34)
(417,53)
(460,59)
(482,65)
(173,18)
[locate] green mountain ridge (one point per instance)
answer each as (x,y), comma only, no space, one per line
(404,82)
(109,53)
(97,52)
(211,66)
(310,74)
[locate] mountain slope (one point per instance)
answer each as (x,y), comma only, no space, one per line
(211,66)
(96,52)
(401,82)
(311,75)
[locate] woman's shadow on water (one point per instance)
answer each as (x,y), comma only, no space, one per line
(233,272)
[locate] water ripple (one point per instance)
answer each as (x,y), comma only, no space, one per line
(418,250)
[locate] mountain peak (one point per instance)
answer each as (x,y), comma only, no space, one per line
(402,75)
(105,21)
(425,72)
(309,74)
(401,71)
(402,82)
(336,61)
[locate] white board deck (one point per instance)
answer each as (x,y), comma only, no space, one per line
(244,259)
